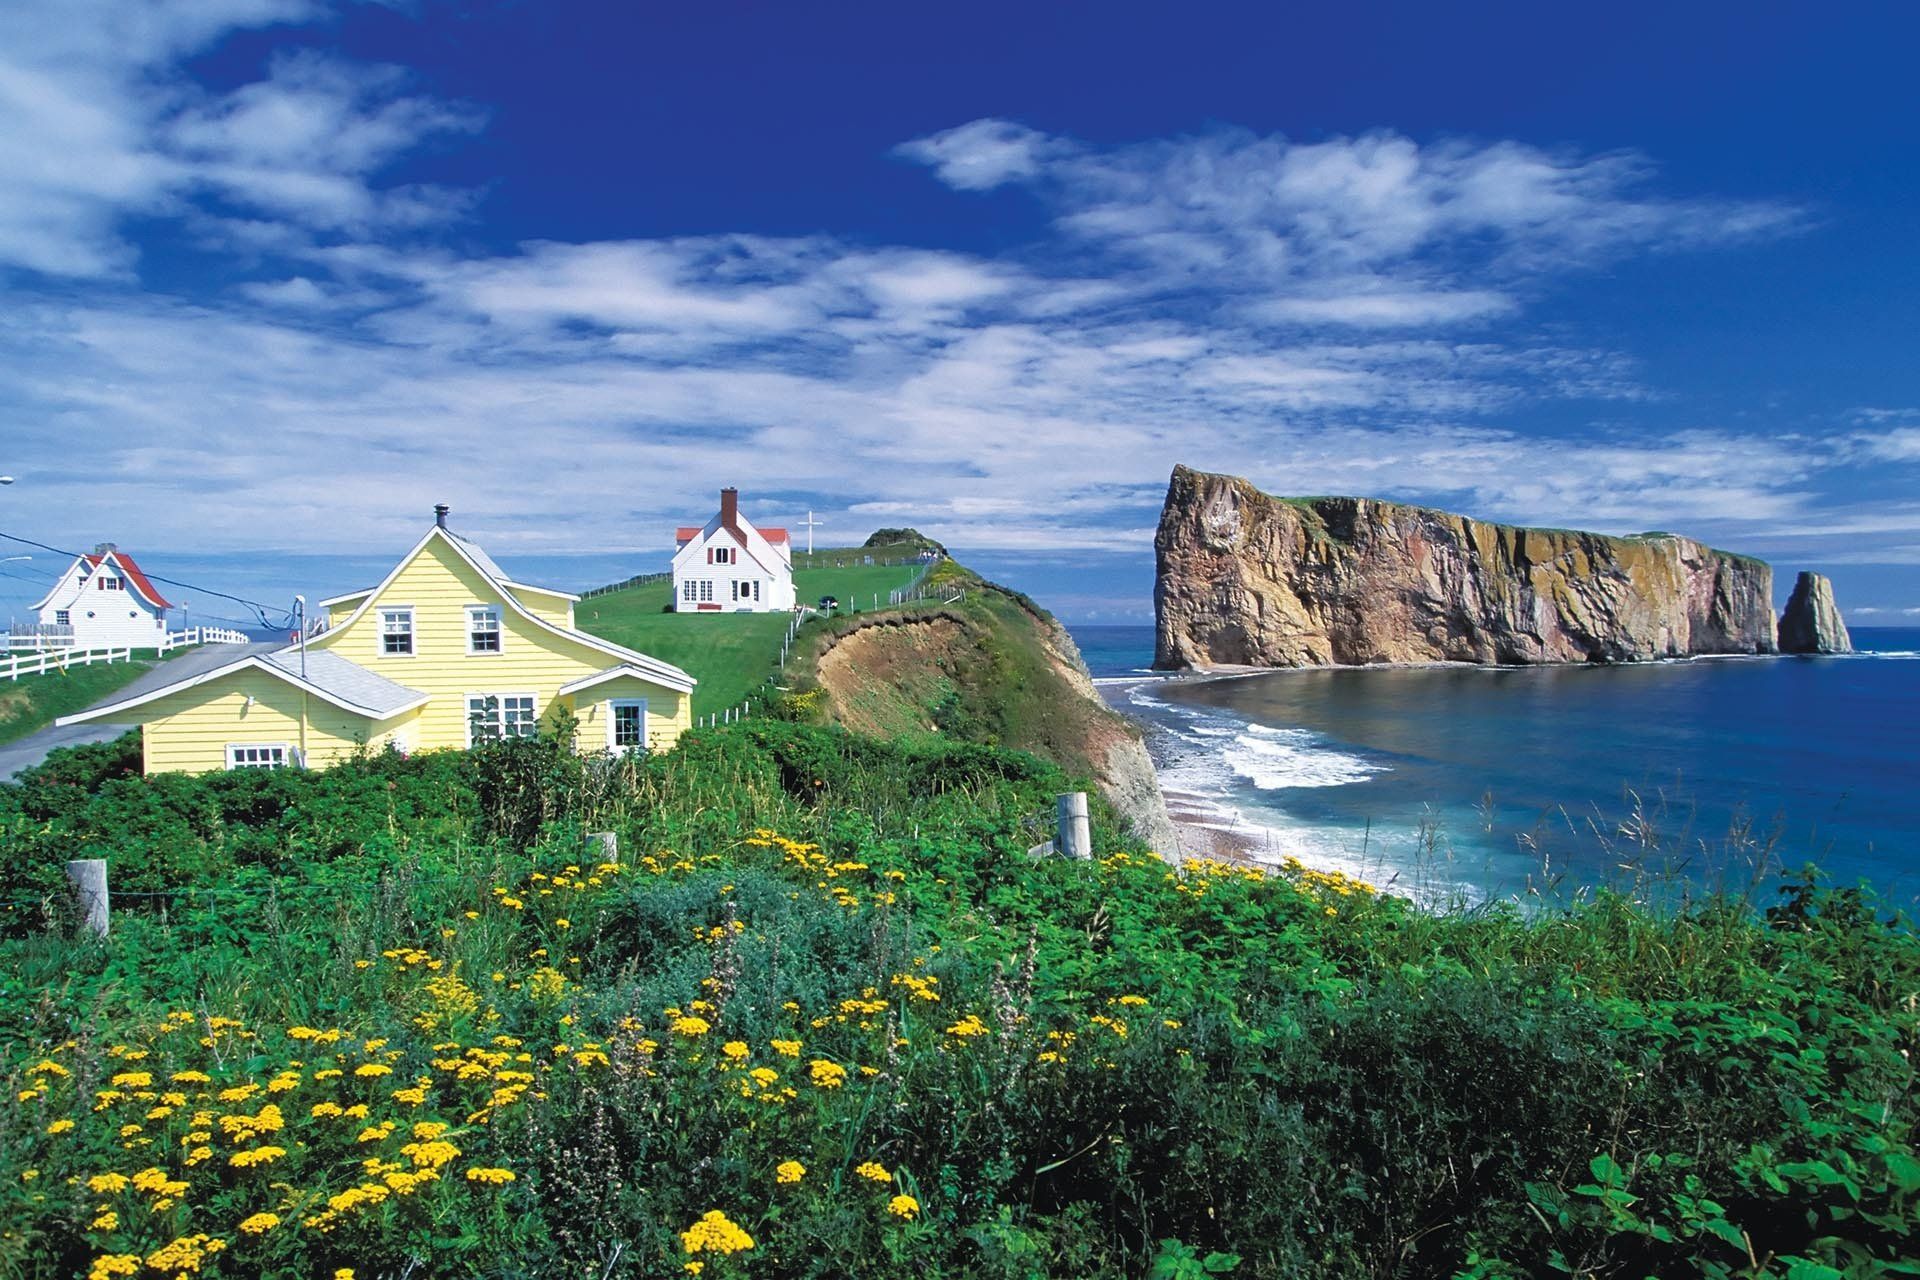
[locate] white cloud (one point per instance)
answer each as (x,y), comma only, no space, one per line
(983,154)
(97,125)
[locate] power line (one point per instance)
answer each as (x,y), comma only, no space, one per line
(259,608)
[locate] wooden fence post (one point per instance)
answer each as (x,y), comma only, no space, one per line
(607,845)
(1075,837)
(89,876)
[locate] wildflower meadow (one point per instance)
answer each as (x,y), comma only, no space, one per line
(822,1015)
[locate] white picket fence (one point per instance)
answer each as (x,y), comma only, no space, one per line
(201,635)
(59,660)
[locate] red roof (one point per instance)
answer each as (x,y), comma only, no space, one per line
(774,535)
(686,533)
(137,578)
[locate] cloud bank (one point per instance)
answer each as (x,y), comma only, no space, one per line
(1346,315)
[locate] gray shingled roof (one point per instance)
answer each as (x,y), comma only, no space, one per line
(487,563)
(347,681)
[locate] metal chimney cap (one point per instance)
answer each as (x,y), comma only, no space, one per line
(440,510)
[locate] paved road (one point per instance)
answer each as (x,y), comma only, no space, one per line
(33,748)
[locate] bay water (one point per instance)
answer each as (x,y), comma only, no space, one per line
(1475,782)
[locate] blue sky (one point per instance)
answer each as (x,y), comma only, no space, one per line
(279,274)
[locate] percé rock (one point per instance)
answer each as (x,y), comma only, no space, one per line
(1249,579)
(1812,622)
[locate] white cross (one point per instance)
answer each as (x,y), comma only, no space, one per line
(810,522)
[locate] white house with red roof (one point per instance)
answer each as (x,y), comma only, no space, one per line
(107,601)
(728,566)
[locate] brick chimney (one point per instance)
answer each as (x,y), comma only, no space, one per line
(730,508)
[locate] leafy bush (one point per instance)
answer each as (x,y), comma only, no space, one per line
(826,1018)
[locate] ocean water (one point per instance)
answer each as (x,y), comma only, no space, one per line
(1494,781)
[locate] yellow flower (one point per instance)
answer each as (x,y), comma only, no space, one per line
(107,1221)
(688,1025)
(561,922)
(904,1207)
(787,1048)
(789,1171)
(874,1171)
(260,1223)
(373,1069)
(492,1177)
(60,1126)
(343,1273)
(735,1049)
(107,1183)
(715,1234)
(827,1075)
(113,1264)
(259,1155)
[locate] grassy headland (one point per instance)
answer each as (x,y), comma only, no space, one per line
(31,703)
(825,1018)
(731,654)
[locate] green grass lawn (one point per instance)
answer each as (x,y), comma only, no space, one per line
(730,654)
(31,703)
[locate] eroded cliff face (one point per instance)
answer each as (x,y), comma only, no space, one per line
(1812,621)
(1250,579)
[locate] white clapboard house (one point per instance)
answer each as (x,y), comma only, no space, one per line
(728,566)
(102,601)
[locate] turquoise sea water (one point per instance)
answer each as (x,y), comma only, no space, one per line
(1487,781)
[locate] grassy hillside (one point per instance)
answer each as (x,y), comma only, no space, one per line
(731,654)
(31,703)
(826,1019)
(976,663)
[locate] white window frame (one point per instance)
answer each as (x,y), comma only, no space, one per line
(706,591)
(500,696)
(690,591)
(63,617)
(613,717)
(474,612)
(413,630)
(286,760)
(723,555)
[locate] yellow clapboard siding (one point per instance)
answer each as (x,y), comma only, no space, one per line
(669,714)
(439,584)
(189,732)
(546,605)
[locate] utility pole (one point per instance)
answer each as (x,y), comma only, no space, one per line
(810,522)
(300,621)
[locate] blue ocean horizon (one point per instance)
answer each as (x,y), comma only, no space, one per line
(1489,782)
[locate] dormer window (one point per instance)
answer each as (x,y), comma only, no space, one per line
(483,628)
(396,633)
(111,582)
(721,555)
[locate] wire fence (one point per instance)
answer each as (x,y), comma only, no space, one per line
(638,580)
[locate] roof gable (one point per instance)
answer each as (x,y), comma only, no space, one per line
(123,564)
(439,539)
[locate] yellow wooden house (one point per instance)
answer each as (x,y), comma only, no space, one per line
(446,651)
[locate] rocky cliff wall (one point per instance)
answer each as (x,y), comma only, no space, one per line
(1812,621)
(1249,579)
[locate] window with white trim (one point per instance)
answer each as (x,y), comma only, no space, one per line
(62,618)
(396,632)
(108,582)
(627,724)
(689,591)
(492,716)
(483,628)
(706,590)
(257,755)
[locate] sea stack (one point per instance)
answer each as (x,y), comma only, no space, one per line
(1812,622)
(1247,579)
